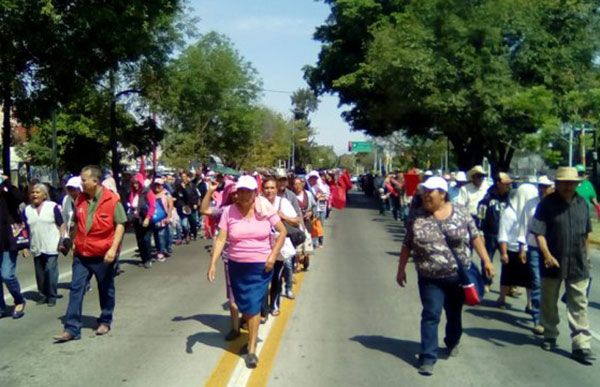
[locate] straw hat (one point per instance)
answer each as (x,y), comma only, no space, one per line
(567,174)
(504,178)
(476,170)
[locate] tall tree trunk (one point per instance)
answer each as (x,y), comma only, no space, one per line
(114,145)
(6,129)
(467,153)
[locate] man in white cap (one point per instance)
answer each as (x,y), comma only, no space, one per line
(73,188)
(471,194)
(561,225)
(460,179)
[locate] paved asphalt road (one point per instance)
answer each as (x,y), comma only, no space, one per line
(350,325)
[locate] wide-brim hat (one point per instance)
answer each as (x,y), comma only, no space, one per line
(476,170)
(567,174)
(504,178)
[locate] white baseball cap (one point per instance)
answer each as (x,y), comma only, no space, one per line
(461,177)
(246,182)
(74,182)
(436,182)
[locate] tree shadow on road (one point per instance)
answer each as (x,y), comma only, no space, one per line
(594,304)
(403,349)
(503,316)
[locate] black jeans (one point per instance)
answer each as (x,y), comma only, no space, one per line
(437,294)
(143,236)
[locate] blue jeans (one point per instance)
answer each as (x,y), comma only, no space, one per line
(169,238)
(491,246)
(160,238)
(46,275)
(534,259)
(288,273)
(437,294)
(8,267)
(83,270)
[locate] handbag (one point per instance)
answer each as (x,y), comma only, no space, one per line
(470,278)
(159,212)
(296,235)
(19,236)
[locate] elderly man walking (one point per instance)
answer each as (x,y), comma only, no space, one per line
(472,193)
(561,225)
(100,219)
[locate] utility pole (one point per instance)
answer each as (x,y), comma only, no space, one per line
(570,145)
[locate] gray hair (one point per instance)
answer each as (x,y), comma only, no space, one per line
(42,188)
(94,170)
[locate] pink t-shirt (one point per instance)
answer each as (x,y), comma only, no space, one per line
(248,239)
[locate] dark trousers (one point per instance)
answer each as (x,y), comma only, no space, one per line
(395,202)
(8,268)
(83,270)
(491,246)
(143,236)
(194,224)
(437,294)
(276,282)
(46,275)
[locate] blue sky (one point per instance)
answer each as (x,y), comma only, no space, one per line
(276,37)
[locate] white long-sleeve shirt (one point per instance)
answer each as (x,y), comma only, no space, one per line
(525,237)
(509,229)
(469,196)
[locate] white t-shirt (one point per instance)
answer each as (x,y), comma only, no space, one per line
(469,196)
(282,204)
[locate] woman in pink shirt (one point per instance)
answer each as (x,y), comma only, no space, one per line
(250,254)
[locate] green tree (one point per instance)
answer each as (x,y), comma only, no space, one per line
(484,74)
(208,103)
(50,49)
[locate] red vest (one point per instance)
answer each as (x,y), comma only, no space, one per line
(98,240)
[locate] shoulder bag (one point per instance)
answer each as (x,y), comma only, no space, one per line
(296,235)
(470,278)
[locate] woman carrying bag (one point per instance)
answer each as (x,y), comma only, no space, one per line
(440,236)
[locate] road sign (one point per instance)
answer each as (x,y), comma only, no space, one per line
(360,146)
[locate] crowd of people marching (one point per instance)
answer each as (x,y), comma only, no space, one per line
(538,227)
(265,226)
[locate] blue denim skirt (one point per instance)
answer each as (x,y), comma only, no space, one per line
(249,284)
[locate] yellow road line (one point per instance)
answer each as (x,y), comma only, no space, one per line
(260,375)
(229,360)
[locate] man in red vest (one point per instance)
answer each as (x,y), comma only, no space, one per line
(100,219)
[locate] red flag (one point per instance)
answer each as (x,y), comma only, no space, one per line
(338,196)
(411,181)
(345,180)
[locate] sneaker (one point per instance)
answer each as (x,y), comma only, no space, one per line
(51,302)
(538,330)
(161,258)
(148,264)
(583,356)
(426,369)
(289,294)
(251,360)
(548,344)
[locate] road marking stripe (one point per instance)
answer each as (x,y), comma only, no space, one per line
(61,276)
(260,376)
(231,369)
